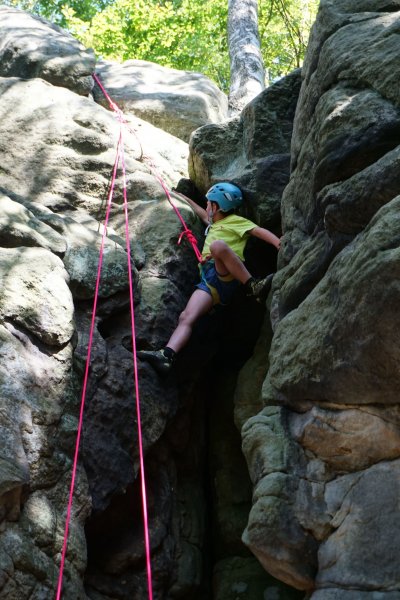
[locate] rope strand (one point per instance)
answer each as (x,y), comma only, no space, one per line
(86,377)
(135,368)
(186,231)
(120,158)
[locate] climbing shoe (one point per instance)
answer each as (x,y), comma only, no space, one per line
(160,360)
(259,288)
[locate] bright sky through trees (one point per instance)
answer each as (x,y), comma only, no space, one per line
(184,34)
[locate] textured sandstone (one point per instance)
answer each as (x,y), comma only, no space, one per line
(32,47)
(334,355)
(252,150)
(176,101)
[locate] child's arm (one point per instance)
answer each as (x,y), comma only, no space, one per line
(266,236)
(200,212)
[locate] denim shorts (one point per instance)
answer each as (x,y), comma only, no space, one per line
(220,287)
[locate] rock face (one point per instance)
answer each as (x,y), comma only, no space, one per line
(37,417)
(324,453)
(176,101)
(251,150)
(57,152)
(32,47)
(319,412)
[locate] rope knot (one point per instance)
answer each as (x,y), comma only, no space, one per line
(189,235)
(120,115)
(147,159)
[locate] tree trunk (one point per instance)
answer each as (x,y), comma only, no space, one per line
(247,69)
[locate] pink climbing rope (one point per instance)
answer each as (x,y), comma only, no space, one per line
(186,231)
(86,377)
(120,158)
(135,368)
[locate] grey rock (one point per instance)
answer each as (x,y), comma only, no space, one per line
(57,153)
(60,150)
(341,594)
(343,98)
(20,227)
(349,205)
(351,356)
(274,533)
(35,294)
(83,238)
(190,565)
(33,47)
(333,358)
(243,577)
(110,443)
(293,283)
(36,388)
(227,464)
(362,505)
(247,399)
(82,263)
(176,101)
(267,423)
(251,150)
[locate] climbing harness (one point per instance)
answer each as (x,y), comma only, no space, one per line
(186,231)
(119,160)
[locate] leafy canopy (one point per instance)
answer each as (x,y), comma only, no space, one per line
(52,9)
(183,34)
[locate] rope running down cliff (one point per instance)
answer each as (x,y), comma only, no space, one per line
(119,160)
(186,231)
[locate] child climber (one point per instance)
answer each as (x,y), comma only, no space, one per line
(222,269)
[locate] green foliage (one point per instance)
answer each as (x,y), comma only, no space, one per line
(183,34)
(284,27)
(53,9)
(175,33)
(24,4)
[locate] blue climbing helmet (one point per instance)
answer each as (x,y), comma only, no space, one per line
(226,195)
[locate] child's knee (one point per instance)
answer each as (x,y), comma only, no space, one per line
(218,248)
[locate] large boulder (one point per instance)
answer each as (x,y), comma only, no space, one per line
(328,468)
(176,101)
(59,150)
(289,552)
(357,363)
(57,153)
(33,47)
(37,391)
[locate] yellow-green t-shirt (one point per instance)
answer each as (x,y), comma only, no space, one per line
(233,230)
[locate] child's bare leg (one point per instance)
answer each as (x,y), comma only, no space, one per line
(200,303)
(227,262)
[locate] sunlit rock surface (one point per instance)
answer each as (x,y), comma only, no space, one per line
(176,101)
(33,47)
